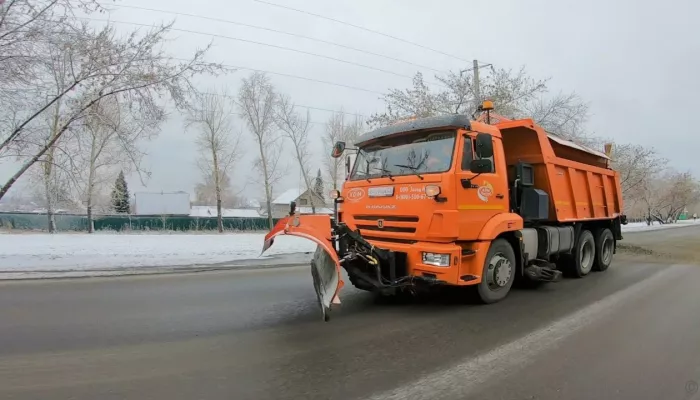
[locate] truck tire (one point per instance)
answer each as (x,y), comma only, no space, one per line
(584,254)
(499,272)
(604,248)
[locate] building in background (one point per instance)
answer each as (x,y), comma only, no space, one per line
(175,203)
(303,199)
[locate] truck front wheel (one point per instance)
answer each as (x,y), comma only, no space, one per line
(499,272)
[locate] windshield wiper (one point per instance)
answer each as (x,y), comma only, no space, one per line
(386,173)
(414,169)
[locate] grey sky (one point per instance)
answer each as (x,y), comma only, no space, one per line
(636,62)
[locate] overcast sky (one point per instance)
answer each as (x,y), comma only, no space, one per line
(636,62)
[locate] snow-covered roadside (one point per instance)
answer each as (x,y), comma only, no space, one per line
(81,252)
(35,255)
(642,226)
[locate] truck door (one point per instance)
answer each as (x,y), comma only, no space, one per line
(479,196)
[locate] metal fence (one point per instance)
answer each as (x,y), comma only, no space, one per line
(74,222)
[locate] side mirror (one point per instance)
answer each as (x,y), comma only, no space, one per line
(484,145)
(481,166)
(338,149)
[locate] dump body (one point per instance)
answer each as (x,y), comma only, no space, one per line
(579,183)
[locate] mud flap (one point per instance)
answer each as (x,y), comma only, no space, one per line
(325,265)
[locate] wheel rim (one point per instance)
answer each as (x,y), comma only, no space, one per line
(607,251)
(586,258)
(499,273)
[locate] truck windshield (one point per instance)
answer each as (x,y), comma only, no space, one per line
(411,154)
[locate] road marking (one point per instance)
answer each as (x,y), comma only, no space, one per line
(465,377)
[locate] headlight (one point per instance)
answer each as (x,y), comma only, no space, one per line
(334,194)
(436,259)
(432,190)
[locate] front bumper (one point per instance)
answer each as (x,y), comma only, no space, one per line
(466,260)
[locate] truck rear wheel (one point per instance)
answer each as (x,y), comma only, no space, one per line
(584,254)
(499,272)
(604,248)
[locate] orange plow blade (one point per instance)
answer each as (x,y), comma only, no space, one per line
(325,265)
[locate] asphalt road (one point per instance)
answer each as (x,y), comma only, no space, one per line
(632,332)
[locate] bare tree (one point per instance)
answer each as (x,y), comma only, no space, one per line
(24,27)
(53,182)
(109,143)
(338,128)
(563,114)
(354,129)
(218,145)
(56,157)
(636,164)
(667,195)
(335,131)
(134,69)
(257,99)
(296,130)
(510,90)
(205,192)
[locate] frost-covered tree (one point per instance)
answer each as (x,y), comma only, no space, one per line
(217,142)
(257,101)
(120,195)
(318,184)
(69,65)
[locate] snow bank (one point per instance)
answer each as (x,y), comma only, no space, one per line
(63,252)
(642,226)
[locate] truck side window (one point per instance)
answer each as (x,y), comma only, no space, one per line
(467,154)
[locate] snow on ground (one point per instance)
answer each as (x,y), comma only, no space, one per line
(34,252)
(642,226)
(60,252)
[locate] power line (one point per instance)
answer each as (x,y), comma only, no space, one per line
(295,77)
(310,122)
(262,44)
(233,100)
(286,75)
(361,28)
(276,31)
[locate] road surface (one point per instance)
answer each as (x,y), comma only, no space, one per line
(632,332)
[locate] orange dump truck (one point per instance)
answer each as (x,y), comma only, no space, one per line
(451,201)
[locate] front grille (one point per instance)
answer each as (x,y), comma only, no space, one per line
(387,228)
(388,240)
(381,226)
(390,218)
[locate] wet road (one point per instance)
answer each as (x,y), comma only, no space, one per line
(631,332)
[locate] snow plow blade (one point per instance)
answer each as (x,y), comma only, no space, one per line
(325,265)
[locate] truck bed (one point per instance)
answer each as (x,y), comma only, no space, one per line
(579,183)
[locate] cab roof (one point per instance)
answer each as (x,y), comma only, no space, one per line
(454,121)
(442,121)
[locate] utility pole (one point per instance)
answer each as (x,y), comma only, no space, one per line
(477,89)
